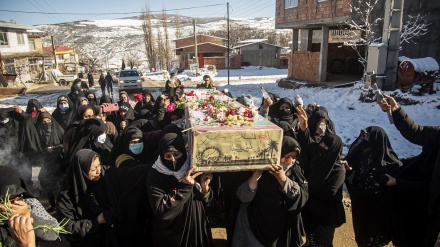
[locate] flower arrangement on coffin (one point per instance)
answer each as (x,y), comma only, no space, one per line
(7,213)
(224,113)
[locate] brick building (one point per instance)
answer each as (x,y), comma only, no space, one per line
(210,50)
(317,51)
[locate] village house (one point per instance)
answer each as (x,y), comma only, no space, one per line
(21,51)
(210,51)
(66,58)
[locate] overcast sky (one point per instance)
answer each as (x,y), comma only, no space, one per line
(56,11)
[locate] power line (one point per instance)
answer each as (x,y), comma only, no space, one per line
(254,6)
(59,19)
(271,4)
(111,13)
(50,17)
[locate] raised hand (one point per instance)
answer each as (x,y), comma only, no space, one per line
(302,118)
(190,179)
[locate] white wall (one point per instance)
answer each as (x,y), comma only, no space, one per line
(13,45)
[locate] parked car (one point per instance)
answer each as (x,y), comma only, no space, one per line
(57,76)
(129,79)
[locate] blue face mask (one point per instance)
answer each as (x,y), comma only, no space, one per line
(4,121)
(101,139)
(64,107)
(136,148)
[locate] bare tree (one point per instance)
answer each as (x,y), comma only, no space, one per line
(160,48)
(178,26)
(149,42)
(364,29)
(166,42)
(133,58)
(415,26)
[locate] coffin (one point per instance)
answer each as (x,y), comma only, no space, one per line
(220,141)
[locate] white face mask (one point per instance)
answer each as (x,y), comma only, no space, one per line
(101,139)
(4,121)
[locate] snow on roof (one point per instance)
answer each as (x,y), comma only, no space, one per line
(251,41)
(199,44)
(422,64)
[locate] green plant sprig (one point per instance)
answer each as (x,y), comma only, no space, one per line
(7,213)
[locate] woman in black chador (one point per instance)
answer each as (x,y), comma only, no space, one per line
(325,174)
(271,202)
(88,133)
(178,204)
(64,112)
(370,158)
(52,164)
(83,200)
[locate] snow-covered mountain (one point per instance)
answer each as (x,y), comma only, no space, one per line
(110,40)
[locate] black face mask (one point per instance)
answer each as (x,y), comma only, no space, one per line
(47,127)
(285,112)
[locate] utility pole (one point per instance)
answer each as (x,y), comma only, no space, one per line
(195,46)
(54,52)
(227,6)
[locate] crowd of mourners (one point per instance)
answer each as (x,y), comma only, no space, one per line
(118,174)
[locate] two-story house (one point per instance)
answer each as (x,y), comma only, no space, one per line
(21,50)
(317,54)
(66,57)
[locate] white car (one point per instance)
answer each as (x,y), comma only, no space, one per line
(129,79)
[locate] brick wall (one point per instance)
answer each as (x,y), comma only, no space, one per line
(205,48)
(305,65)
(311,10)
(220,62)
(200,39)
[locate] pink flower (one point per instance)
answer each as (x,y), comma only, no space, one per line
(171,107)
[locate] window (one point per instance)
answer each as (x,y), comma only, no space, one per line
(290,4)
(32,45)
(20,38)
(3,36)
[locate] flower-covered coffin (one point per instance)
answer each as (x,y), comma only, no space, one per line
(227,136)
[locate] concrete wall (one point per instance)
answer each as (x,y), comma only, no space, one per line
(260,54)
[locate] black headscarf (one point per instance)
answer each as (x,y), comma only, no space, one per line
(271,207)
(172,142)
(83,136)
(383,156)
(122,145)
(105,98)
(12,183)
(64,118)
(50,134)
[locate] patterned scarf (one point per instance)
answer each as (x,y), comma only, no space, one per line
(180,174)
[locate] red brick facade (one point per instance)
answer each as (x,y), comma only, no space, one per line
(311,12)
(213,50)
(309,69)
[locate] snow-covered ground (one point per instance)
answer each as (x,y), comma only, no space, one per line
(348,113)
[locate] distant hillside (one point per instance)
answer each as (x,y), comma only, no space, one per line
(110,40)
